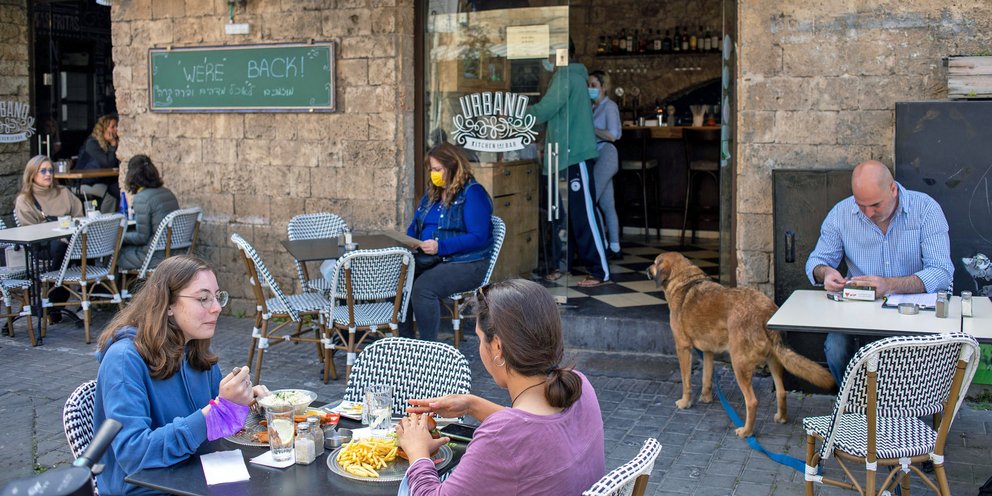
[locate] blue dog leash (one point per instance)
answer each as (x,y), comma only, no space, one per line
(782,458)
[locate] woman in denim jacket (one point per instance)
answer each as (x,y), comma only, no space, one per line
(453,223)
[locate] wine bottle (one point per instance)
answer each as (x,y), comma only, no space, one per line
(677,43)
(693,42)
(630,43)
(706,42)
(614,44)
(715,41)
(666,43)
(601,47)
(623,40)
(656,43)
(685,39)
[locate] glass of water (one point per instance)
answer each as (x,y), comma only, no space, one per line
(379,409)
(282,431)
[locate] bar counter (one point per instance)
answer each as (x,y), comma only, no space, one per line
(667,132)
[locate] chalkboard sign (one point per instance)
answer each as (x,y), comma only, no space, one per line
(944,149)
(248,78)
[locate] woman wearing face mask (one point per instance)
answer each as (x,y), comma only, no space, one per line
(606,123)
(453,222)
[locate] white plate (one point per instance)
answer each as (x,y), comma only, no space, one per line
(393,471)
(353,410)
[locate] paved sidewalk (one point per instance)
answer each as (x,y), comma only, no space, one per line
(700,455)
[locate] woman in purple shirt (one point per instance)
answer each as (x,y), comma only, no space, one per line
(550,439)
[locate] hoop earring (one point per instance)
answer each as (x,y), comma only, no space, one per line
(499,364)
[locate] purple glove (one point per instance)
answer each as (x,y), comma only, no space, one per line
(225,418)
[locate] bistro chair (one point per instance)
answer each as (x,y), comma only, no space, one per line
(7,272)
(631,478)
(370,290)
(702,159)
(77,420)
(637,168)
(414,369)
(320,225)
(458,299)
(179,229)
(94,239)
(888,386)
(280,306)
(22,287)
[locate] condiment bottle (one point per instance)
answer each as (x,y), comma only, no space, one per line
(941,306)
(303,446)
(318,435)
(966,310)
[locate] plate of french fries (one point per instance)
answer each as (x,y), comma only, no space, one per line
(375,460)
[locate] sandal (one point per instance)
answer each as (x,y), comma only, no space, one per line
(553,275)
(591,282)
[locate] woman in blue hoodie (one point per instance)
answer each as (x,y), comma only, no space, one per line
(454,223)
(158,376)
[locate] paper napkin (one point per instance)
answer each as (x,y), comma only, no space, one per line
(266,459)
(224,466)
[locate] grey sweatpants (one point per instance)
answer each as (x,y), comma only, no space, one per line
(606,167)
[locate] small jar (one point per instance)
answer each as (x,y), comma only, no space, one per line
(303,446)
(966,309)
(941,307)
(317,434)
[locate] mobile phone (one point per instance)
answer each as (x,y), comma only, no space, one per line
(461,432)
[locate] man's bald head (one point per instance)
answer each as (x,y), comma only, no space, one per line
(875,191)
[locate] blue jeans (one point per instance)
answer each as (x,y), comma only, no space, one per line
(839,348)
(433,284)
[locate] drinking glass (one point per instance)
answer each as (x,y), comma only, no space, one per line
(379,405)
(91,210)
(281,431)
(65,222)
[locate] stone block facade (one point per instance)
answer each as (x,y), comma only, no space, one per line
(14,86)
(252,172)
(817,87)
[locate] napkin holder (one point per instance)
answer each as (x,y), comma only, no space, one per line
(855,292)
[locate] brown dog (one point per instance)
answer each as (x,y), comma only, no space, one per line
(715,319)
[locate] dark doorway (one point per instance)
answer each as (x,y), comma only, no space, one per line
(71,73)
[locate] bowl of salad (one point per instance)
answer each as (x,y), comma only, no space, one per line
(299,399)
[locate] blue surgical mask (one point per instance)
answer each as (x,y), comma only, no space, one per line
(548,66)
(593,93)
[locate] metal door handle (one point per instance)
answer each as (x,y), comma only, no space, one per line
(790,247)
(547,159)
(557,197)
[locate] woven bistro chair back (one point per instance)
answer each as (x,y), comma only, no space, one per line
(319,225)
(631,478)
(457,299)
(180,229)
(414,369)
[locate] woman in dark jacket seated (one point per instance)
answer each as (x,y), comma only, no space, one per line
(100,152)
(152,202)
(453,222)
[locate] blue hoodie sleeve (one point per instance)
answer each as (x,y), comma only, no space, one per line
(478,210)
(125,399)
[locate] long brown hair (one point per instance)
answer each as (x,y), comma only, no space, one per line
(100,127)
(456,169)
(524,316)
(30,170)
(159,340)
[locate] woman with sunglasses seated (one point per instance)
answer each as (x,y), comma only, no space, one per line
(453,220)
(159,378)
(548,441)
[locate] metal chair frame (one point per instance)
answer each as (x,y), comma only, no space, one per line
(314,226)
(82,247)
(280,306)
(23,288)
(695,141)
(458,299)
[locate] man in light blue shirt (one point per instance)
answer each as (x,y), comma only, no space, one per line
(891,238)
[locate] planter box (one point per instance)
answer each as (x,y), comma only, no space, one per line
(969,77)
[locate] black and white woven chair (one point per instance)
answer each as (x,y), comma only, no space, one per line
(8,289)
(631,478)
(293,308)
(414,369)
(888,386)
(10,272)
(179,229)
(370,290)
(98,238)
(458,299)
(77,420)
(320,225)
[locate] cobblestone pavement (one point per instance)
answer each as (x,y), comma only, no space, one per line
(700,454)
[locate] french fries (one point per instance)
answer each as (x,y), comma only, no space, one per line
(363,458)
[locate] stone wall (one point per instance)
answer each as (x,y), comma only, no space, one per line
(251,172)
(14,86)
(655,75)
(818,82)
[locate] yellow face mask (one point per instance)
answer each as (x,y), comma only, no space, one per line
(437,177)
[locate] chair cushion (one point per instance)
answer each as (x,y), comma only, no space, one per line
(75,274)
(366,314)
(303,303)
(896,437)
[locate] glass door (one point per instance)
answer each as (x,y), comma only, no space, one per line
(487,69)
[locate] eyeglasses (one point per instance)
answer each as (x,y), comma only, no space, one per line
(46,171)
(207,300)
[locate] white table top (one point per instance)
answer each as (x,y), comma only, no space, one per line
(33,234)
(811,311)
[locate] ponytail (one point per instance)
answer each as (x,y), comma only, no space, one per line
(563,387)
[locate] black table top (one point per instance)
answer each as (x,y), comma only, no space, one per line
(310,250)
(186,478)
